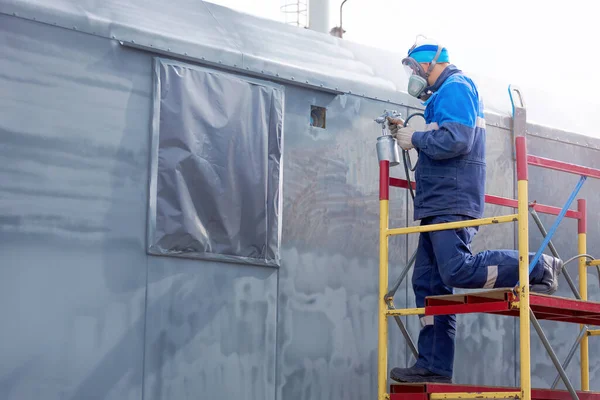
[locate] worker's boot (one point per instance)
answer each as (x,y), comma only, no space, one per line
(549,283)
(416,374)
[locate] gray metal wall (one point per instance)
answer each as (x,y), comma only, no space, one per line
(88,315)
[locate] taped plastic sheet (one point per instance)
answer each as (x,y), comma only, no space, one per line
(215,190)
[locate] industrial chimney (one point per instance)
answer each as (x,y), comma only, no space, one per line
(318,15)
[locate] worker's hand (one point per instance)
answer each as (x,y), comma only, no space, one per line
(404,137)
(395,124)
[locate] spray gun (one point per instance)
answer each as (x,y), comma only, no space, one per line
(382,119)
(387,148)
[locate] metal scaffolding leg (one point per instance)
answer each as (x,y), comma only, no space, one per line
(403,274)
(552,355)
(565,365)
(389,298)
(406,335)
(544,233)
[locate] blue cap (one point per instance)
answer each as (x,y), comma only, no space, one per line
(426,53)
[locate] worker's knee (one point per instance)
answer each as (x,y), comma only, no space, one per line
(451,273)
(450,280)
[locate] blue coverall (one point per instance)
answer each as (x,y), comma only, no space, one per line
(450,178)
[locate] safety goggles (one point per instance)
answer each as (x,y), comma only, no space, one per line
(411,63)
(412,67)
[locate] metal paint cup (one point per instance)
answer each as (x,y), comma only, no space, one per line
(387,149)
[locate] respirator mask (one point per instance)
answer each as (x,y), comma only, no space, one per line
(417,76)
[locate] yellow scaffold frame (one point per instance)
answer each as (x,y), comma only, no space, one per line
(522,219)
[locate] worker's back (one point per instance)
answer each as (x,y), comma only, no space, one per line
(451,170)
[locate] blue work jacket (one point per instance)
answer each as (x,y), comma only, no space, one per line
(450,173)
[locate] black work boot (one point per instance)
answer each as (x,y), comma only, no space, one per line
(549,283)
(416,374)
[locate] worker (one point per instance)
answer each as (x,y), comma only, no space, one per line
(450,179)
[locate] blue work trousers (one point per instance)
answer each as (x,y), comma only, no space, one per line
(444,260)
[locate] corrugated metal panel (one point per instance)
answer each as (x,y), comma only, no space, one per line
(210,331)
(74,154)
(88,314)
(328,284)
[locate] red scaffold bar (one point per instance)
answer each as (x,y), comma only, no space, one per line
(563,166)
(500,201)
(401,183)
(521,145)
(582,226)
(541,208)
(421,391)
(384,180)
(499,302)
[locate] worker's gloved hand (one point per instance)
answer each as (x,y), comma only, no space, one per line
(404,137)
(395,124)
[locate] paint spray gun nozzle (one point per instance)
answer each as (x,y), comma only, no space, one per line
(382,119)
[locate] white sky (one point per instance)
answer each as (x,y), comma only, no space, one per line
(543,44)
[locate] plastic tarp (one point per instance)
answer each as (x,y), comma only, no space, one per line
(215,190)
